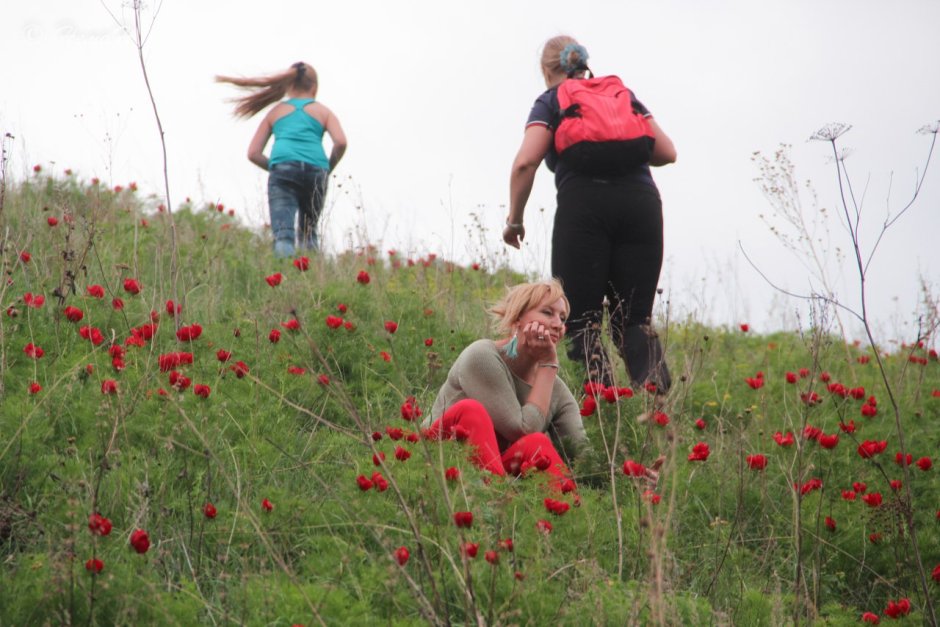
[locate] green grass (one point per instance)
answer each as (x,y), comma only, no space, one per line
(720,547)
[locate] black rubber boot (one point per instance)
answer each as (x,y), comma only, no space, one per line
(586,348)
(643,354)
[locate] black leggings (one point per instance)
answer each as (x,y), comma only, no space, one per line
(608,241)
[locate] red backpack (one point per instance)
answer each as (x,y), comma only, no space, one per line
(599,131)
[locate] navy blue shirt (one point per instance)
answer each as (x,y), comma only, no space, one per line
(547,112)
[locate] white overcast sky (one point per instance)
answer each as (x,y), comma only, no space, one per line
(434,95)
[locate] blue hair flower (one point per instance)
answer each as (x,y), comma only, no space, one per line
(582,58)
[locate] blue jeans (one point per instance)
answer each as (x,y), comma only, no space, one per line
(296,189)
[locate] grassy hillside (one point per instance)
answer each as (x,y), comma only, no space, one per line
(221,468)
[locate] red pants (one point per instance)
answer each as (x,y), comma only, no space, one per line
(468,420)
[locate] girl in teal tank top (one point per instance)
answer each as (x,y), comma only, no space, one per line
(298,166)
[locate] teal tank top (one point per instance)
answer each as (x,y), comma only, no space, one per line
(299,137)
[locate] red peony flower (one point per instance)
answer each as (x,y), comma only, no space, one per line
(179,381)
(828,441)
(651,497)
(341,308)
(94,566)
(756,462)
(95,291)
(209,511)
(492,557)
(201,390)
(385,356)
(830,523)
(402,454)
(470,549)
(589,406)
(140,541)
(848,495)
(869,410)
(556,507)
(35,388)
(870,448)
(394,433)
(109,386)
(872,499)
(452,474)
(52,221)
(847,427)
(323,380)
(634,469)
(902,460)
(380,483)
(429,342)
(745,327)
(173,308)
(302,263)
(99,525)
(223,355)
(936,573)
(274,336)
(543,526)
(810,486)
(859,487)
(700,424)
(296,370)
(364,483)
(378,458)
(363,277)
(463,519)
(33,351)
(401,555)
(274,279)
(132,286)
(810,398)
(410,409)
(857,393)
(334,322)
(755,383)
(36,301)
(266,505)
(391,326)
(924,463)
(896,485)
(700,452)
(240,369)
(291,325)
(870,618)
(899,608)
(190,333)
(117,304)
(25,256)
(791,377)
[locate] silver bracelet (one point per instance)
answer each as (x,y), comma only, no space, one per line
(513,226)
(555,366)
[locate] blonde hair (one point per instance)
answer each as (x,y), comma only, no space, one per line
(551,56)
(523,297)
(269,89)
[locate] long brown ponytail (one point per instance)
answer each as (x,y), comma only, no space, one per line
(267,90)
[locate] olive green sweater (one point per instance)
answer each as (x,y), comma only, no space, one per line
(481,374)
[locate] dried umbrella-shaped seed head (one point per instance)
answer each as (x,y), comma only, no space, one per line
(831,132)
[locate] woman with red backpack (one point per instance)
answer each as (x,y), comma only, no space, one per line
(607,240)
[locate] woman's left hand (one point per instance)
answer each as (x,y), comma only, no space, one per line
(513,235)
(535,340)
